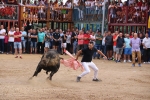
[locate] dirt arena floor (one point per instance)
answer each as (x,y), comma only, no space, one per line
(120,81)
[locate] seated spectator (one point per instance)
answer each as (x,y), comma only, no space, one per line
(143,7)
(41,13)
(136,17)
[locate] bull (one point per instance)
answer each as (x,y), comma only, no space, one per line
(50,62)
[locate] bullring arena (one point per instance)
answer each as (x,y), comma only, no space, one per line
(120,81)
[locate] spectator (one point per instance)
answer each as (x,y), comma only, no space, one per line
(127,49)
(29,40)
(2,36)
(113,10)
(17,43)
(68,41)
(23,39)
(80,40)
(11,40)
(6,43)
(86,39)
(41,37)
(109,45)
(60,41)
(98,43)
(56,37)
(88,6)
(81,9)
(75,10)
(119,46)
(51,39)
(75,41)
(146,46)
(103,43)
(33,42)
(114,44)
(64,45)
(135,44)
(131,2)
(47,42)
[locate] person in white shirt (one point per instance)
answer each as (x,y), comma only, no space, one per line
(68,40)
(2,36)
(11,40)
(143,7)
(87,5)
(75,10)
(146,48)
(131,2)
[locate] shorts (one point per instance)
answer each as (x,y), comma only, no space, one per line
(17,45)
(33,44)
(47,44)
(127,51)
(56,43)
(64,45)
(109,47)
(114,48)
(119,51)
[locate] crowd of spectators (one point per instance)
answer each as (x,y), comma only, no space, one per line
(114,45)
(130,11)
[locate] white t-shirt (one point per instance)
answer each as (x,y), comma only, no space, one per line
(103,41)
(143,8)
(1,32)
(68,40)
(131,2)
(69,5)
(87,4)
(11,39)
(146,42)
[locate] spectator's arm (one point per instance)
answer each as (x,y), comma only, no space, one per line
(116,38)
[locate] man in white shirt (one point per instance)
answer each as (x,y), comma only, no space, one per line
(2,36)
(88,6)
(146,47)
(11,40)
(75,10)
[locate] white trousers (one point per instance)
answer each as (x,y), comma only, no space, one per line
(86,66)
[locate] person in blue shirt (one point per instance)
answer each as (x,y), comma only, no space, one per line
(41,38)
(23,39)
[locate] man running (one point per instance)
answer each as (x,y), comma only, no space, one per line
(87,60)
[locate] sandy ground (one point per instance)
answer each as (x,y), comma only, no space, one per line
(120,81)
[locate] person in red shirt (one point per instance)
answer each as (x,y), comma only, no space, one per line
(114,44)
(17,43)
(86,39)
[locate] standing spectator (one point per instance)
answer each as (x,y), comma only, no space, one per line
(41,37)
(11,40)
(56,37)
(109,45)
(135,44)
(68,41)
(127,49)
(141,46)
(119,46)
(103,43)
(2,36)
(29,40)
(98,43)
(64,45)
(75,41)
(80,40)
(17,43)
(75,10)
(23,39)
(88,6)
(47,42)
(6,43)
(86,39)
(33,41)
(81,9)
(60,41)
(114,44)
(51,39)
(146,46)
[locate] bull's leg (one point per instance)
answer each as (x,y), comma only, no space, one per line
(51,75)
(38,69)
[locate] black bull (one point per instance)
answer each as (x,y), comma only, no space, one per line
(50,62)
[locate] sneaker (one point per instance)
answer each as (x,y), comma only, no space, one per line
(16,57)
(116,61)
(2,52)
(20,57)
(124,61)
(139,65)
(129,60)
(133,65)
(96,80)
(149,62)
(144,62)
(78,79)
(74,54)
(119,61)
